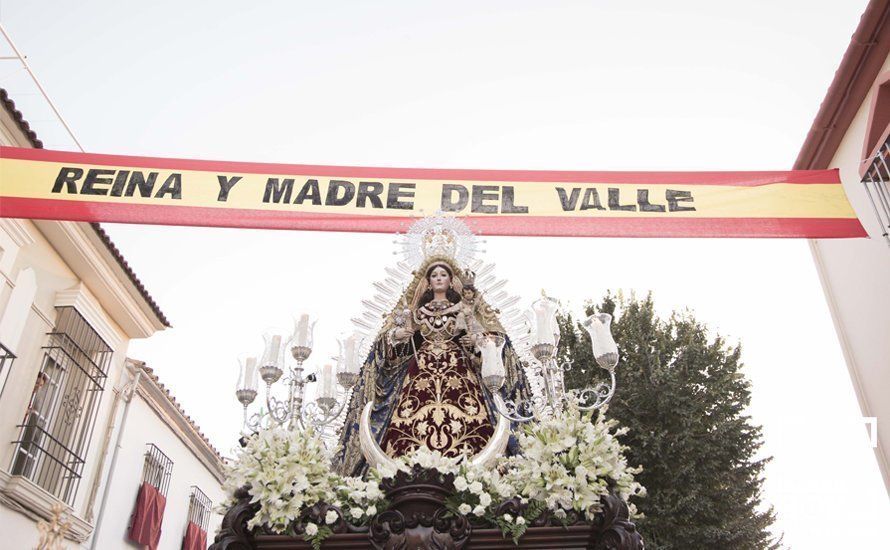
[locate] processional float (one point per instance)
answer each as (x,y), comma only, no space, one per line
(408,315)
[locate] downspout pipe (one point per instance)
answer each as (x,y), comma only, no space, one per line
(128,399)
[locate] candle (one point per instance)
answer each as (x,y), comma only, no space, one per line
(349,354)
(250,373)
(327,381)
(248,377)
(491,359)
(275,349)
(272,352)
(301,332)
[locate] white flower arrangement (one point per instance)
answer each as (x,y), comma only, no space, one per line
(568,463)
(288,472)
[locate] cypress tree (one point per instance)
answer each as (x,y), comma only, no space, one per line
(683,397)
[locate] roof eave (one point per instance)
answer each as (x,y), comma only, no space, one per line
(853,80)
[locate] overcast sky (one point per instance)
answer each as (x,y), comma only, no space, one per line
(512,85)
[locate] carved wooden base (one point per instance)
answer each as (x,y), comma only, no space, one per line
(417,519)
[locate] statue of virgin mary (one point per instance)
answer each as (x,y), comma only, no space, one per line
(421,384)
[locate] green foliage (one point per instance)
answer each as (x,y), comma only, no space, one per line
(682,395)
(318,538)
(515,527)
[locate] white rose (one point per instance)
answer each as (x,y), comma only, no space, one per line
(460,483)
(464,508)
(476,487)
(356,512)
(479,510)
(386,471)
(508,518)
(484,499)
(371,510)
(311,529)
(520,520)
(331,517)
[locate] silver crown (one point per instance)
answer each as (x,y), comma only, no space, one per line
(438,235)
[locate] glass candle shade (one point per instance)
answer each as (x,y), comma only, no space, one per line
(546,330)
(605,350)
(303,331)
(247,377)
(491,348)
(327,387)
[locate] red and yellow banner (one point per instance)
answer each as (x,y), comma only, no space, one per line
(41,184)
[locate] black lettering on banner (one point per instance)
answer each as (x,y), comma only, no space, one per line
(96,177)
(276,191)
(334,188)
(369,191)
(450,205)
(568,202)
(508,202)
(615,201)
(226,184)
(172,186)
(67,176)
(484,193)
(645,205)
(117,189)
(399,191)
(674,196)
(145,185)
(591,200)
(309,191)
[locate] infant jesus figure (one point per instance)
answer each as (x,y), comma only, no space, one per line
(466,317)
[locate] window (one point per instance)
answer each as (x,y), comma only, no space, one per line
(199,508)
(878,125)
(196,529)
(58,424)
(157,469)
(877,185)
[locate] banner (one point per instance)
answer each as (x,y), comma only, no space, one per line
(41,184)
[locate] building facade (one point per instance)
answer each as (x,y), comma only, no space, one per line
(851,133)
(78,420)
(159,445)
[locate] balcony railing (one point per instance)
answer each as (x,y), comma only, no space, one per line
(877,186)
(157,469)
(199,508)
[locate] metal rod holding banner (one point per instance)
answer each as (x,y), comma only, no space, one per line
(23,59)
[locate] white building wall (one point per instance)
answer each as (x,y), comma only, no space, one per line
(34,321)
(45,264)
(855,274)
(145,426)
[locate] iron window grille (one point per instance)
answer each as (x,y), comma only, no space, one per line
(57,427)
(157,469)
(199,508)
(877,186)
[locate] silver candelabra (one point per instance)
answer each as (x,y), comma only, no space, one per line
(292,410)
(547,370)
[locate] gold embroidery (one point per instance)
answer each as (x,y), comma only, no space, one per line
(441,405)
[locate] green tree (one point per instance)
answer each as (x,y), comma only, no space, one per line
(683,397)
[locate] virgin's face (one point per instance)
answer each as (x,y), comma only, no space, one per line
(440,280)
